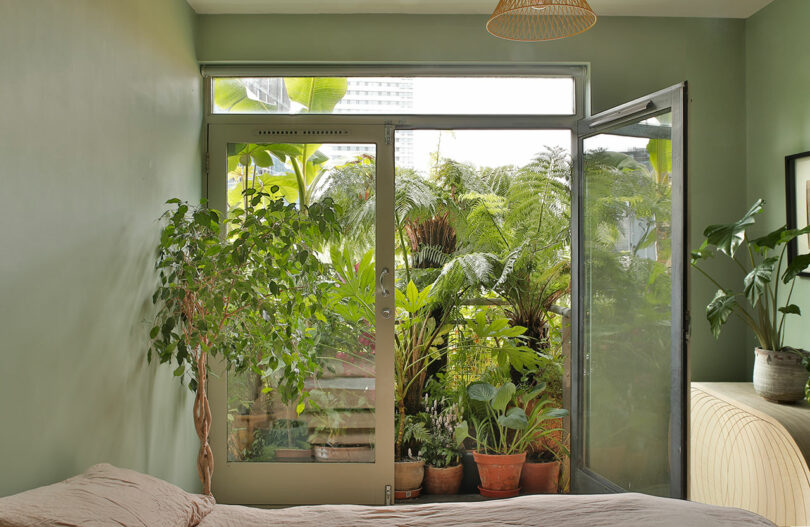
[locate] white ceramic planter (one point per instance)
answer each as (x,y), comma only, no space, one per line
(779,376)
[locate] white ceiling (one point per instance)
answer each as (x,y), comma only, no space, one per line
(686,8)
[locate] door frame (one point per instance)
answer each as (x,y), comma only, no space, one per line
(674,98)
(249,482)
(222,128)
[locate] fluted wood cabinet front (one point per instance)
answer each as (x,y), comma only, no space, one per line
(749,453)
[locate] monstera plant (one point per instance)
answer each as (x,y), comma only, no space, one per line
(762,298)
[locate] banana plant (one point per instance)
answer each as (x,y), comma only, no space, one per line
(762,264)
(304,164)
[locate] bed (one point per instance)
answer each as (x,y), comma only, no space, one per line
(106,495)
(538,510)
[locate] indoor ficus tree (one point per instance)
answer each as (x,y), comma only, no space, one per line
(247,288)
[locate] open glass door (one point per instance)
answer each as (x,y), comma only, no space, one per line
(629,408)
(271,446)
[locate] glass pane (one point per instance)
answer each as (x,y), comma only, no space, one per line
(396,95)
(268,422)
(627,296)
(482,253)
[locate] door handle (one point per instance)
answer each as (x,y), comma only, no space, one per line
(383,290)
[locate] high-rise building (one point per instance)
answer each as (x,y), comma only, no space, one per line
(268,90)
(368,95)
(377,95)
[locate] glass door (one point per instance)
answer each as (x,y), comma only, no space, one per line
(333,444)
(629,376)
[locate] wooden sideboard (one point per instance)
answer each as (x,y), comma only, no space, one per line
(750,453)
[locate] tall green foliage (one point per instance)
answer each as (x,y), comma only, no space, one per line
(249,296)
(304,164)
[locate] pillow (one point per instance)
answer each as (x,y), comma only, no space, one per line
(105,495)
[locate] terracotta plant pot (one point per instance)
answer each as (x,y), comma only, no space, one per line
(407,494)
(779,376)
(343,454)
(408,475)
(443,480)
(293,454)
(498,493)
(540,478)
(499,472)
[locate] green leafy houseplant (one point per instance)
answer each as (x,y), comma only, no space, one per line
(242,288)
(441,450)
(417,338)
(503,428)
(757,300)
(504,431)
(441,447)
(763,270)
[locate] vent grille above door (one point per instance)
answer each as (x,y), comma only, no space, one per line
(300,131)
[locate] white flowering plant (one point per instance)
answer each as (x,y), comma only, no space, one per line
(443,446)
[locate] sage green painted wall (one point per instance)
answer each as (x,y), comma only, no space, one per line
(629,57)
(99,124)
(777,44)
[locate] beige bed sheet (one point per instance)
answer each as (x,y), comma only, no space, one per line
(552,510)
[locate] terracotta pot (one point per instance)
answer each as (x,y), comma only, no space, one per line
(343,454)
(407,494)
(500,472)
(498,493)
(540,478)
(293,454)
(779,376)
(443,480)
(408,475)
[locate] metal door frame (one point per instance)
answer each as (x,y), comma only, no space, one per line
(253,483)
(674,98)
(302,128)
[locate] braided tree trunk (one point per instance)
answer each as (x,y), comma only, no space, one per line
(202,422)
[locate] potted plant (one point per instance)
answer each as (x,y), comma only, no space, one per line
(409,470)
(541,472)
(503,432)
(417,340)
(217,296)
(441,449)
(779,373)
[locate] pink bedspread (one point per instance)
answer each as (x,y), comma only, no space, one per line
(552,510)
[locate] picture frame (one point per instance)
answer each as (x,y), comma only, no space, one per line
(797,186)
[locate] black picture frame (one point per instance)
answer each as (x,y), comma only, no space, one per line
(794,221)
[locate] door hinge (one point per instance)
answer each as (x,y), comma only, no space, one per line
(389,133)
(207,163)
(687,326)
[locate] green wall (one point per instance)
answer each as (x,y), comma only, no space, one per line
(628,57)
(777,44)
(101,118)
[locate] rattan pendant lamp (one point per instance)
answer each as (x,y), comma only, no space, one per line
(535,20)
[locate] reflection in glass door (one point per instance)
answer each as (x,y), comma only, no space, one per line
(631,411)
(314,440)
(269,420)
